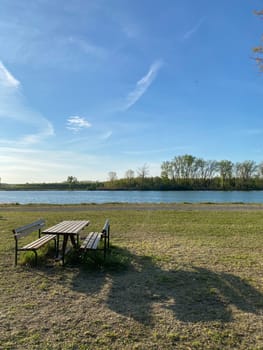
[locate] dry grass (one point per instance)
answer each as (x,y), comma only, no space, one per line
(175,280)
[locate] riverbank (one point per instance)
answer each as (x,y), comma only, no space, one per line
(134,206)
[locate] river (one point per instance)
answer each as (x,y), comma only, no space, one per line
(79,197)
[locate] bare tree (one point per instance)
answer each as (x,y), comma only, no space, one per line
(129,174)
(246,169)
(112,175)
(258,50)
(143,171)
(225,168)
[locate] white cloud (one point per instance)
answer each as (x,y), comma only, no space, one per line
(20,165)
(6,78)
(76,123)
(106,135)
(192,31)
(142,85)
(88,48)
(13,107)
(48,130)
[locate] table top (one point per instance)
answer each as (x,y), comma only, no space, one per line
(70,227)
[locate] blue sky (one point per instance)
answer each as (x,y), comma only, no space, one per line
(90,87)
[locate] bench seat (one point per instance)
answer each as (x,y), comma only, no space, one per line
(91,242)
(42,240)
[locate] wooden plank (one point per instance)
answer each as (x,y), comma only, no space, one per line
(106,225)
(86,240)
(73,226)
(91,241)
(38,243)
(94,243)
(25,230)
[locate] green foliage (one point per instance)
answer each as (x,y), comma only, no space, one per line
(116,260)
(28,258)
(185,172)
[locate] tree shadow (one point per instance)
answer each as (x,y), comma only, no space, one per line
(192,293)
(201,295)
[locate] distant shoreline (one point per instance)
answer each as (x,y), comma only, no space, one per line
(134,206)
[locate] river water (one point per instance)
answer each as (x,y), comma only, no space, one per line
(78,197)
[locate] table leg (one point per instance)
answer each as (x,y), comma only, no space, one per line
(57,247)
(64,246)
(73,241)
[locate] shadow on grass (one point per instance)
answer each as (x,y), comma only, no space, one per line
(132,285)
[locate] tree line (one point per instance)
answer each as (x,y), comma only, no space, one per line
(183,172)
(187,172)
(194,172)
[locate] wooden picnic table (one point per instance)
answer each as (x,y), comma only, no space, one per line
(67,229)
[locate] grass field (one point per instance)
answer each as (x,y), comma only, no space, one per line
(176,279)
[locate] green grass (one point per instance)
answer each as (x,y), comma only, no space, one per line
(174,280)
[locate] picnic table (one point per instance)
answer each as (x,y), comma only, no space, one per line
(67,229)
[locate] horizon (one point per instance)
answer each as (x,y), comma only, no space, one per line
(88,88)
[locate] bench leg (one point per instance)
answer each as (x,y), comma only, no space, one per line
(15,257)
(108,237)
(16,249)
(105,246)
(35,257)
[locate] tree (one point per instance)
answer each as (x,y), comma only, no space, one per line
(112,175)
(129,174)
(258,50)
(166,170)
(211,168)
(200,168)
(246,170)
(260,169)
(225,168)
(143,171)
(71,180)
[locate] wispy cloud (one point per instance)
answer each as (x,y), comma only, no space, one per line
(142,85)
(6,78)
(88,48)
(46,131)
(12,107)
(106,135)
(76,123)
(187,35)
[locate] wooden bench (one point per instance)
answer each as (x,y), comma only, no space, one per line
(91,242)
(23,231)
